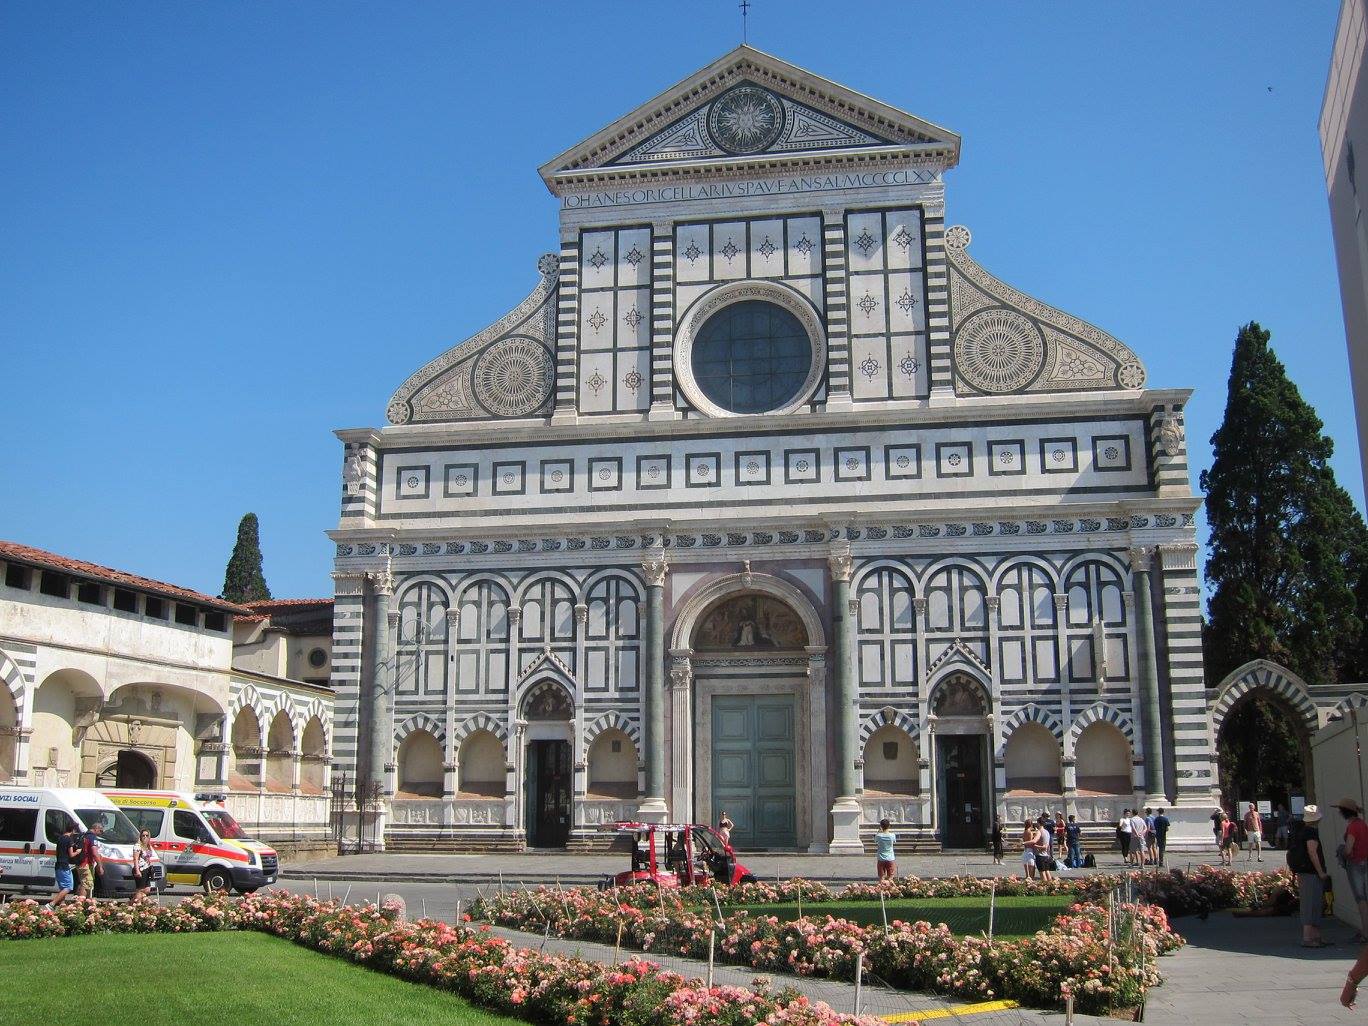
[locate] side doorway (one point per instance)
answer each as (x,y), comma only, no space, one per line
(960,783)
(550,783)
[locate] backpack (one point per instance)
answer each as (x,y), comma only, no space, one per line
(1298,859)
(1089,861)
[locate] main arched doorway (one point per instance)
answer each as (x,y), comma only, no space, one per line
(749,725)
(130,769)
(1263,720)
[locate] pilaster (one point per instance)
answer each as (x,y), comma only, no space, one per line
(835,288)
(654,569)
(845,810)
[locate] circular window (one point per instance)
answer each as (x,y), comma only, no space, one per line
(749,348)
(317,658)
(751,357)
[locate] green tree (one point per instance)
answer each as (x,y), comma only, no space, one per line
(1287,545)
(243,581)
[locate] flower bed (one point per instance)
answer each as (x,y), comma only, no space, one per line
(1103,968)
(482,968)
(1204,889)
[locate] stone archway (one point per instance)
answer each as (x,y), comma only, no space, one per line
(748,667)
(130,768)
(1268,700)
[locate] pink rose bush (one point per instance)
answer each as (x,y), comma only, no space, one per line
(1105,965)
(473,963)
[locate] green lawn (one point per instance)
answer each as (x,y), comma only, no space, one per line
(210,979)
(1015,917)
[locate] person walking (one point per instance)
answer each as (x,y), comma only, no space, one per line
(1059,839)
(145,863)
(89,863)
(1284,826)
(1028,847)
(1358,972)
(997,841)
(1150,840)
(1305,858)
(1253,825)
(1356,859)
(68,848)
(1123,831)
(1073,843)
(1230,840)
(1161,829)
(1138,834)
(885,864)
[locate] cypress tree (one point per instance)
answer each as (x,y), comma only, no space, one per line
(243,581)
(1287,545)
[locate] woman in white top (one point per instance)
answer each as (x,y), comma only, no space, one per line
(144,860)
(1028,848)
(724,828)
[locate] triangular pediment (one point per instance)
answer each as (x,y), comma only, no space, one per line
(749,106)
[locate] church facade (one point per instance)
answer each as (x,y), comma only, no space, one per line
(769,499)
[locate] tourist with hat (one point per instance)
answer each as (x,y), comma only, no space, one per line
(1307,860)
(1356,858)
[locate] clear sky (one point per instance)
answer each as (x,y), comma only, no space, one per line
(227,229)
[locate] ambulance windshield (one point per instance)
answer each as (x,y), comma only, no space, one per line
(117,828)
(225,825)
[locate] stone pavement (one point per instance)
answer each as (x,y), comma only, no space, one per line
(548,867)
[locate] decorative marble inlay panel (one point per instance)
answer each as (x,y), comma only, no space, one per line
(615,320)
(886,304)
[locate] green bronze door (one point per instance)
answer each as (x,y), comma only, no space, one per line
(753,769)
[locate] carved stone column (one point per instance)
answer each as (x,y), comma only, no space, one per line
(845,810)
(817,766)
(681,733)
(381,734)
(1148,667)
(451,769)
(653,808)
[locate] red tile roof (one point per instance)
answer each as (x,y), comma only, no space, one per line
(16,553)
(266,605)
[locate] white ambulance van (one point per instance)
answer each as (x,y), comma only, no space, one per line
(200,845)
(31,820)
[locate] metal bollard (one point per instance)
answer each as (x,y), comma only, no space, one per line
(859,979)
(712,941)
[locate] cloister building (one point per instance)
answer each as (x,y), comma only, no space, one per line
(116,680)
(770,499)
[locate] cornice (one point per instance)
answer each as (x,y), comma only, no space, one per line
(917,413)
(1119,526)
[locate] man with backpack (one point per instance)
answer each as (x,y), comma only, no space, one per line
(68,848)
(1306,858)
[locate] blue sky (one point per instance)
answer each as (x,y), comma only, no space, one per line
(227,229)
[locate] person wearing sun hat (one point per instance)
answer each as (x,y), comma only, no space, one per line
(1306,858)
(1356,858)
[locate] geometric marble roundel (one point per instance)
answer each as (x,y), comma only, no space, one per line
(514,377)
(999,350)
(745,119)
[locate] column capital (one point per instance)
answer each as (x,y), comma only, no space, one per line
(681,672)
(381,581)
(919,605)
(581,614)
(1141,557)
(993,602)
(1061,601)
(1178,556)
(654,567)
(453,619)
(392,618)
(514,615)
(840,562)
